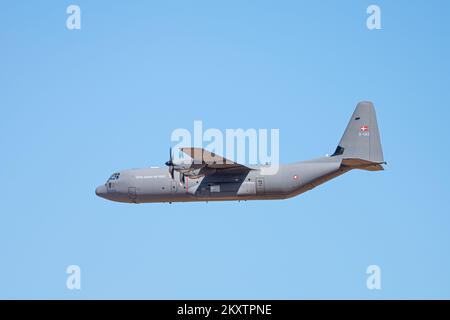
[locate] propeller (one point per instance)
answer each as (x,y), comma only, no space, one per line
(171,166)
(170,163)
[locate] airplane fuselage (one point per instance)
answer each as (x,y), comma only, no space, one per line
(156,184)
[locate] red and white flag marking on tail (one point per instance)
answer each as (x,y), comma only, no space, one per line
(364,128)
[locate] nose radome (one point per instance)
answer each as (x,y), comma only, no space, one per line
(100,191)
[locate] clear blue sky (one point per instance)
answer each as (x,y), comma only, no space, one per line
(79,105)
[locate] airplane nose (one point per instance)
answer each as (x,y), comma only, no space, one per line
(101,191)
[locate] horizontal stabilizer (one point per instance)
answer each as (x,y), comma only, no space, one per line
(362,164)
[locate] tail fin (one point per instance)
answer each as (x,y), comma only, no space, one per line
(360,146)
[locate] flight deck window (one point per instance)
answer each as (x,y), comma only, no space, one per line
(114,176)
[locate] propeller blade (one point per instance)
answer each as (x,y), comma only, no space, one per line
(170,161)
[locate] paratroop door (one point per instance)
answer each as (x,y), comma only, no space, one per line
(259,185)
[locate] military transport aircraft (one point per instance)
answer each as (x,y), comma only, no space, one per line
(210,177)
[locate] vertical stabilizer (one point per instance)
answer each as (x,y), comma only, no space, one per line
(360,145)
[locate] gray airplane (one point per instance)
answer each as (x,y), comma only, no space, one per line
(210,177)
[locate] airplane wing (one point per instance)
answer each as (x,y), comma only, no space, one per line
(212,160)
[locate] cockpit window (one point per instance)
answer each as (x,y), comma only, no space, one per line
(114,176)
